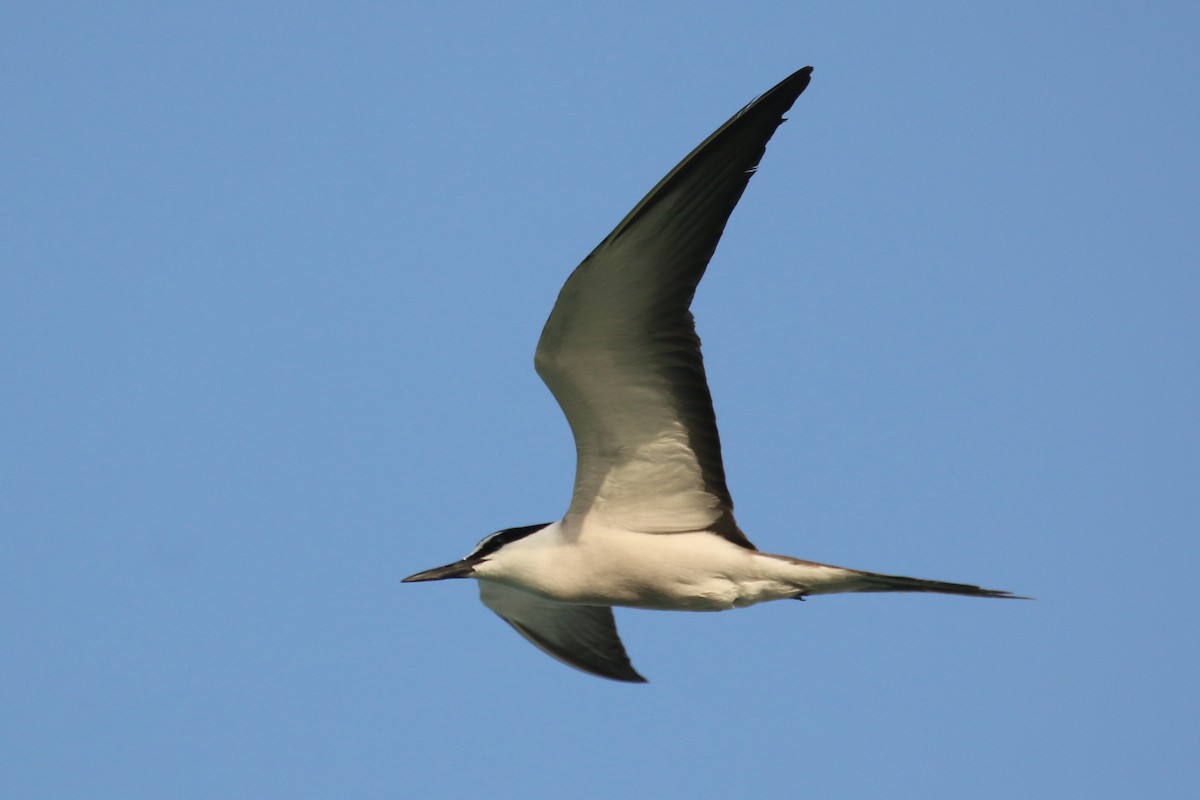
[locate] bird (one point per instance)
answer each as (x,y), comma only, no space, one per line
(650,522)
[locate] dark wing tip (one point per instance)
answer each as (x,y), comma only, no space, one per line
(802,74)
(788,89)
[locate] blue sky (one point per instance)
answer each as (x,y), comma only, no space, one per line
(271,279)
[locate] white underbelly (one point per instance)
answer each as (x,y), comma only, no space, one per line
(681,571)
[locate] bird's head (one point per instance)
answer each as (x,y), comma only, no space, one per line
(486,548)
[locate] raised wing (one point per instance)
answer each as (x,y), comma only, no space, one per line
(620,351)
(584,637)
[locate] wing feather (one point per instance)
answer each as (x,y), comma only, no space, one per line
(584,637)
(620,350)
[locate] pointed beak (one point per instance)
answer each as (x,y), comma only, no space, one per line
(459,569)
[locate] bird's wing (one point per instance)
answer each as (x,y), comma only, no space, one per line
(620,351)
(584,637)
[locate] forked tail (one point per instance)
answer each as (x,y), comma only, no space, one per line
(874,582)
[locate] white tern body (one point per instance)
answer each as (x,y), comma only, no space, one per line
(650,524)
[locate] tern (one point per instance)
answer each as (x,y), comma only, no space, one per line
(650,523)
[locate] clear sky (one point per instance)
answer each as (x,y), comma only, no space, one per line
(271,276)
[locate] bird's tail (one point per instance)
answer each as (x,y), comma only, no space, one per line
(875,582)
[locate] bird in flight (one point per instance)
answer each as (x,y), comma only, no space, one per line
(650,523)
